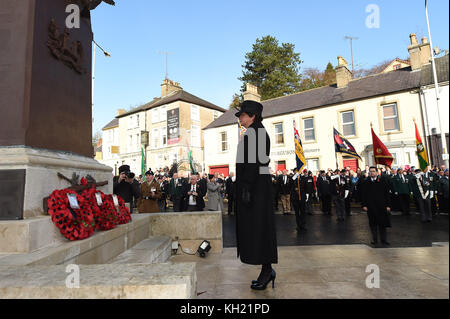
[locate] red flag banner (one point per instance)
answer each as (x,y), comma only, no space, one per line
(380,152)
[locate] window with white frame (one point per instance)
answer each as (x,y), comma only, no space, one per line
(155,138)
(130,143)
(279,134)
(224,141)
(163,135)
(130,122)
(394,162)
(136,123)
(137,142)
(195,112)
(155,115)
(163,114)
(390,117)
(348,123)
(195,136)
(308,128)
(313,164)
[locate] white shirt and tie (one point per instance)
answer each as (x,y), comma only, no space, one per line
(192,201)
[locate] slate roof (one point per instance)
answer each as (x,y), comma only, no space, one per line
(173,97)
(111,124)
(367,87)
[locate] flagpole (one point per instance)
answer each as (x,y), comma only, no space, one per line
(373,148)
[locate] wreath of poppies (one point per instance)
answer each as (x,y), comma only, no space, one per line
(80,223)
(122,211)
(74,224)
(106,217)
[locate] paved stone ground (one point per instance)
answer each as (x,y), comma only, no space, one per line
(328,272)
(406,231)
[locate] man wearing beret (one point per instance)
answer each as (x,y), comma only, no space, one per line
(255,227)
(150,194)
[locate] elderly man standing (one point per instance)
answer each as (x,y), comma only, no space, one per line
(193,196)
(284,189)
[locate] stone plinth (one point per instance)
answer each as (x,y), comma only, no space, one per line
(191,228)
(34,175)
(100,248)
(150,251)
(113,281)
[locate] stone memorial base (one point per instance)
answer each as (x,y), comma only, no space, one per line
(28,175)
(111,281)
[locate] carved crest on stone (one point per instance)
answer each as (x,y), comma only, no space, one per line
(65,49)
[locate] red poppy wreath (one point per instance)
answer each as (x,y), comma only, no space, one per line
(73,223)
(123,213)
(105,215)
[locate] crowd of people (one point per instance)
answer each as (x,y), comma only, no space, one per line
(162,191)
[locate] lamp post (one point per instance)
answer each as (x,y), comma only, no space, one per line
(436,86)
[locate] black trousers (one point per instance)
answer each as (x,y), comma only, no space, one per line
(326,204)
(404,203)
(178,205)
(425,209)
(230,203)
(433,203)
(348,205)
(300,213)
(382,230)
(443,204)
(339,204)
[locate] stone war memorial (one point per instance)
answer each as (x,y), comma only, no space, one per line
(46,145)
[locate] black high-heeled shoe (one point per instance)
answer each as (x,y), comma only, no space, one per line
(256,285)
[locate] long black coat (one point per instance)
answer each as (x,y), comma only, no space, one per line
(255,225)
(376,197)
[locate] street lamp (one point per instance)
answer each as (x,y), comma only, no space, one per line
(436,86)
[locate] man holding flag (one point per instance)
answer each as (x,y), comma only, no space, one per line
(298,191)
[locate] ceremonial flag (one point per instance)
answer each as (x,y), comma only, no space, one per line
(342,145)
(299,154)
(421,152)
(380,152)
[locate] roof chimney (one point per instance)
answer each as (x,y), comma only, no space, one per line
(419,54)
(251,93)
(169,86)
(120,112)
(343,74)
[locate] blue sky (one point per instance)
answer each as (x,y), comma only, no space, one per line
(208,41)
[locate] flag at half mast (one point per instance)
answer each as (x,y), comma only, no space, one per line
(299,154)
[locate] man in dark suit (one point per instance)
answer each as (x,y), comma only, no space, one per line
(193,196)
(298,198)
(324,186)
(309,189)
(338,192)
(284,188)
(230,188)
(443,192)
(376,202)
(402,189)
(421,188)
(275,191)
(176,192)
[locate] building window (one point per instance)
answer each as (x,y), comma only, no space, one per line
(308,125)
(155,116)
(195,112)
(163,136)
(313,164)
(155,138)
(137,145)
(163,114)
(394,162)
(136,124)
(390,118)
(195,136)
(279,135)
(130,143)
(224,141)
(130,122)
(348,123)
(408,155)
(397,66)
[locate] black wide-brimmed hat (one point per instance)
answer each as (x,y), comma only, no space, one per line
(249,106)
(124,168)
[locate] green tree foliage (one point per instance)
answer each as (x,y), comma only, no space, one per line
(314,78)
(273,68)
(236,101)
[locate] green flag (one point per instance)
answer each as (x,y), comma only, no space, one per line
(143,165)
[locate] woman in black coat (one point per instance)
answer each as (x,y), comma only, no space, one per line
(255,226)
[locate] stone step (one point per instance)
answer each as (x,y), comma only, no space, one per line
(150,251)
(100,248)
(108,281)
